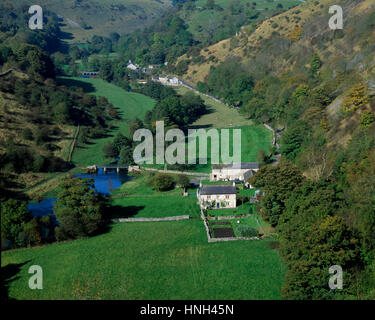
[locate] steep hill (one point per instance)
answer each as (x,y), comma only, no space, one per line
(305,26)
(84,18)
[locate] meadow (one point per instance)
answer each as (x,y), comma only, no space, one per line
(149,260)
(219,115)
(137,199)
(130,105)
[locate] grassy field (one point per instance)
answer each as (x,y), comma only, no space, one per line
(137,199)
(253,138)
(219,115)
(152,260)
(130,105)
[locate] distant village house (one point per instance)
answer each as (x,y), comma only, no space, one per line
(168,81)
(132,66)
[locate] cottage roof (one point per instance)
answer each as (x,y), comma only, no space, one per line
(242,165)
(210,190)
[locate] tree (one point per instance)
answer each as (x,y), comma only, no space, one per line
(183,181)
(292,140)
(135,125)
(126,155)
(315,65)
(119,142)
(79,209)
(277,183)
(262,157)
(321,245)
(366,119)
(106,72)
(162,182)
(14,216)
(108,150)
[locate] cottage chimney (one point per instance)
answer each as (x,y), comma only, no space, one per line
(234,184)
(200,184)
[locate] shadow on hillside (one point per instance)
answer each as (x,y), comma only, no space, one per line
(72,83)
(8,274)
(125,212)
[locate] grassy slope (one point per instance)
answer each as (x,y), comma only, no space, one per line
(200,18)
(101,16)
(17,121)
(165,260)
(130,105)
(219,115)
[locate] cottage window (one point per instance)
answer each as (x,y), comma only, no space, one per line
(208,197)
(227,197)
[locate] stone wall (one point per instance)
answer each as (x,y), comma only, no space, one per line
(175,218)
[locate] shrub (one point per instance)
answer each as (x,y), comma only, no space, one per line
(27,134)
(366,119)
(295,34)
(355,98)
(162,182)
(79,209)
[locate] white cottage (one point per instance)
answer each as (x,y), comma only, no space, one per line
(217,197)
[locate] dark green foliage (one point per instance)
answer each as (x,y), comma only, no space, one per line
(293,139)
(79,210)
(14,215)
(236,91)
(182,181)
(108,150)
(162,182)
(277,183)
(126,155)
(19,228)
(315,65)
(157,90)
(177,110)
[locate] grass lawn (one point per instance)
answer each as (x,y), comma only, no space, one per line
(245,208)
(253,138)
(137,199)
(130,105)
(151,260)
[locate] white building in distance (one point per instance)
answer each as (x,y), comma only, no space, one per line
(168,81)
(132,66)
(236,171)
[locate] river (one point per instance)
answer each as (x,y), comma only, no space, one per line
(104,183)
